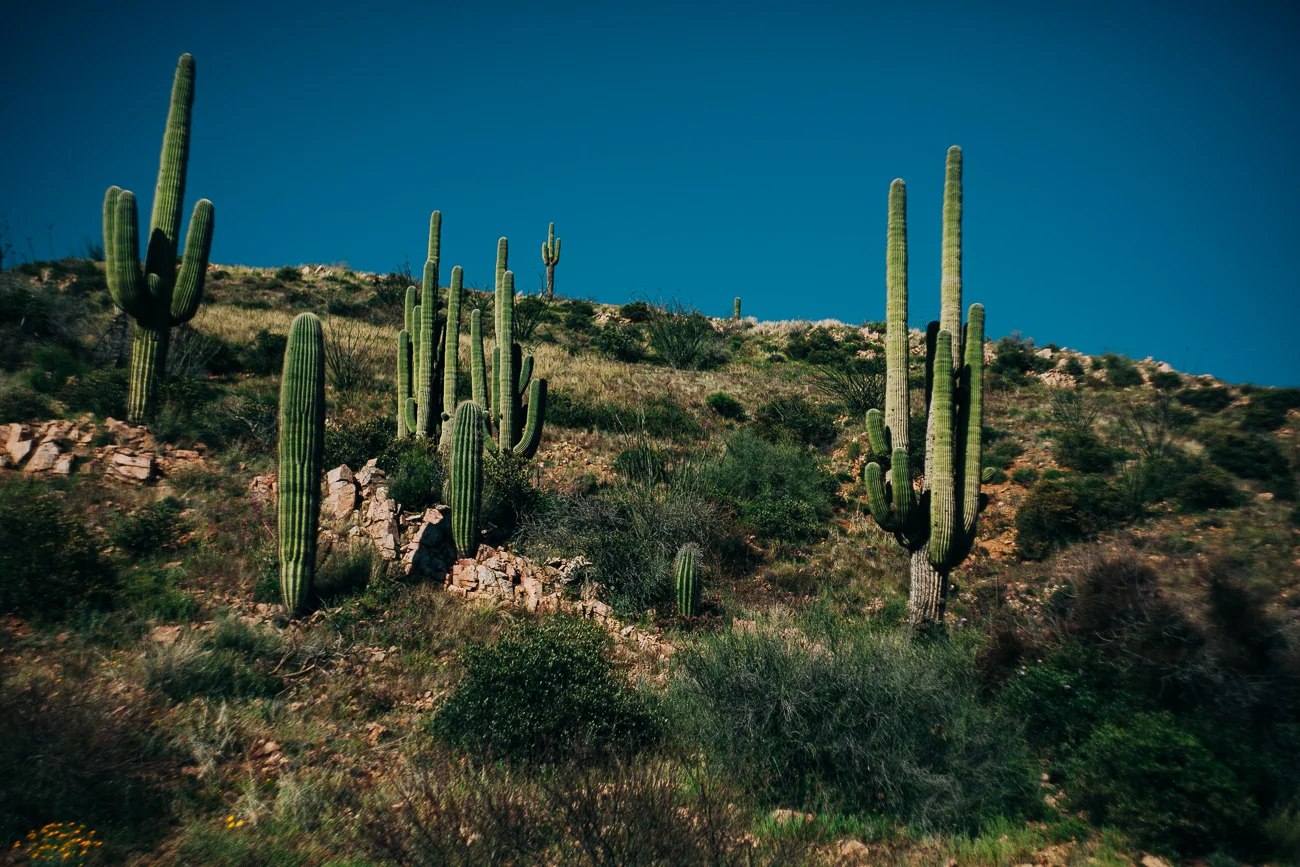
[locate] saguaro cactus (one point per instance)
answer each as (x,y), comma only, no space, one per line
(937,523)
(550,258)
(406,362)
(466,477)
(302,452)
(451,350)
(422,399)
(518,428)
(735,314)
(156,296)
(685,585)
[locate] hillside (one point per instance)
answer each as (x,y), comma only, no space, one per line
(1116,677)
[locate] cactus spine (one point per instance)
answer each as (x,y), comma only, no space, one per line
(302,451)
(550,258)
(735,313)
(156,296)
(685,583)
(936,524)
(466,477)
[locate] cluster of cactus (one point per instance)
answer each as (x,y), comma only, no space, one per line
(937,523)
(302,453)
(428,350)
(156,296)
(685,585)
(550,258)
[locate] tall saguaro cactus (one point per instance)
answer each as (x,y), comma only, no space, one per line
(735,312)
(466,477)
(302,453)
(551,258)
(422,393)
(451,349)
(518,428)
(937,523)
(156,296)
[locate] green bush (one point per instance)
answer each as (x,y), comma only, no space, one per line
(187,669)
(857,722)
(1252,456)
(620,342)
(637,311)
(414,472)
(657,416)
(1268,407)
(779,490)
(1206,398)
(543,691)
(726,406)
(1156,781)
(997,476)
(1074,367)
(49,561)
(102,391)
(857,383)
(353,443)
(1058,511)
(793,419)
(1207,488)
(1121,372)
(642,463)
(23,404)
(509,494)
(265,355)
(1166,380)
(1024,476)
(1000,454)
(819,345)
(1083,451)
(684,338)
(52,366)
(152,528)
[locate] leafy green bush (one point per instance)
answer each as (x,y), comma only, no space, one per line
(620,342)
(1268,407)
(726,406)
(1156,781)
(578,314)
(779,489)
(793,419)
(636,311)
(102,391)
(997,476)
(1206,398)
(509,492)
(1057,511)
(1083,451)
(23,404)
(542,691)
(856,722)
(1166,380)
(1074,367)
(265,355)
(1121,372)
(658,416)
(150,529)
(414,472)
(1000,454)
(354,443)
(684,338)
(1207,488)
(1024,476)
(49,561)
(1252,456)
(52,366)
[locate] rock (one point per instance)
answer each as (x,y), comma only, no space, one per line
(1043,353)
(1263,497)
(63,466)
(342,497)
(1165,367)
(1154,861)
(783,816)
(341,473)
(1056,378)
(134,468)
(46,455)
(165,634)
(18,443)
(852,851)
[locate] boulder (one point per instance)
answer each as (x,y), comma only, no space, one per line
(44,458)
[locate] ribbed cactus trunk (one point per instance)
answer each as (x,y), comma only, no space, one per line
(451,350)
(937,524)
(735,311)
(466,477)
(685,584)
(302,450)
(550,258)
(156,296)
(406,362)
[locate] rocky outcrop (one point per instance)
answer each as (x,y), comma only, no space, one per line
(116,449)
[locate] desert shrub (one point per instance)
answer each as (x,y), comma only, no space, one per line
(1058,511)
(1207,487)
(498,710)
(414,471)
(726,406)
(152,528)
(1074,367)
(187,668)
(857,722)
(509,492)
(23,404)
(152,594)
(1024,476)
(1166,380)
(642,463)
(1206,398)
(793,419)
(1000,454)
(1252,456)
(264,356)
(658,415)
(1155,781)
(1268,407)
(778,489)
(52,366)
(818,345)
(578,314)
(76,750)
(997,476)
(347,569)
(630,533)
(683,337)
(1083,451)
(1121,372)
(49,561)
(636,311)
(1015,357)
(102,391)
(858,383)
(287,274)
(351,353)
(1150,427)
(620,342)
(353,443)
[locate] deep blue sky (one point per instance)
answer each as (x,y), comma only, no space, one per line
(1130,167)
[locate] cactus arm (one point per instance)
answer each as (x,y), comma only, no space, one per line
(415,333)
(503,252)
(877,440)
(970,422)
(950,279)
(940,470)
(878,497)
(194,267)
(525,374)
(409,309)
(126,281)
(301,453)
(435,239)
(931,344)
(494,387)
(477,374)
(557,253)
(896,355)
(410,414)
(466,477)
(403,381)
(451,344)
(165,224)
(425,347)
(905,502)
(536,418)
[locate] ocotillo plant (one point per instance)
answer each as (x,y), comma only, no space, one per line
(936,524)
(551,258)
(735,313)
(156,296)
(466,477)
(302,452)
(511,372)
(685,585)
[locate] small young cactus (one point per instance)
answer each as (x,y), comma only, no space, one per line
(466,477)
(156,296)
(685,582)
(550,258)
(302,452)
